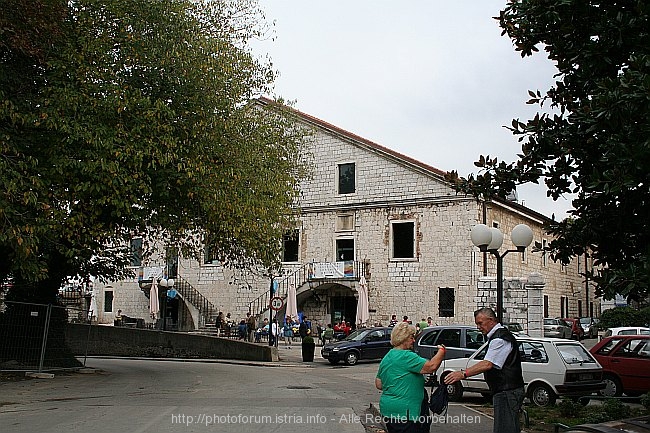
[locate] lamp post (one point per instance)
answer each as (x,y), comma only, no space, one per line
(490,239)
(166,284)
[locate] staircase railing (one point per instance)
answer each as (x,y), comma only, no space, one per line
(206,308)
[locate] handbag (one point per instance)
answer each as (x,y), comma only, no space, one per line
(439,399)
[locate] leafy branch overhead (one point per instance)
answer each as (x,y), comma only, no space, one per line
(593,138)
(134,117)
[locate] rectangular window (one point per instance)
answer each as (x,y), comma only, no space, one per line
(544,253)
(344,223)
(545,305)
(579,308)
(344,250)
(347,181)
(403,239)
(446,300)
(209,253)
(290,246)
(562,311)
(136,251)
(171,260)
(108,301)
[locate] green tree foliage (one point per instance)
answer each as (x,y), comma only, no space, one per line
(593,142)
(624,316)
(133,117)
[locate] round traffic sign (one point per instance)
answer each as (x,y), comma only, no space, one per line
(276,303)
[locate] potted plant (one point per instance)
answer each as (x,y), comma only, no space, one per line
(308,348)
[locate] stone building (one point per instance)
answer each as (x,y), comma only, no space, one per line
(370,211)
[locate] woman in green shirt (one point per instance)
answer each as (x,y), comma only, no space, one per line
(402,385)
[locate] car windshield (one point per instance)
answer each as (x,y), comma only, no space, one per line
(515,327)
(585,320)
(575,354)
(357,335)
(550,322)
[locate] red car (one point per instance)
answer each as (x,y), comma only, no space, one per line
(577,333)
(626,364)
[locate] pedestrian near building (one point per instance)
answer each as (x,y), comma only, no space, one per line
(287,332)
(250,325)
(403,402)
(303,328)
(273,333)
(423,324)
(501,369)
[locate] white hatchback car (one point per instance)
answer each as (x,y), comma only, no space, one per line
(627,330)
(552,367)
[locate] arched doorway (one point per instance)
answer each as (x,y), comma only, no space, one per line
(343,308)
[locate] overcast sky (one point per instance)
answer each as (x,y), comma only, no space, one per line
(430,79)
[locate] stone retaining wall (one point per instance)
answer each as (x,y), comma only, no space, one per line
(95,340)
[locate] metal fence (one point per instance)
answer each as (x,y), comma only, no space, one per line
(32,336)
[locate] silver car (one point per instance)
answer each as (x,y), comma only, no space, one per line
(556,328)
(551,368)
(459,340)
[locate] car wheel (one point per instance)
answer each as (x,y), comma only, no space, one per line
(351,358)
(541,395)
(613,386)
(455,390)
(333,361)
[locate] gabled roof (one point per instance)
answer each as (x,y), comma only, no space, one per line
(358,139)
(363,142)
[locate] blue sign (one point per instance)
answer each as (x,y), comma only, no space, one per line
(171,293)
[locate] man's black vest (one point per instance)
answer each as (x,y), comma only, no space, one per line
(509,376)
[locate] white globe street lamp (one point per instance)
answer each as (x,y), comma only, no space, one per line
(490,239)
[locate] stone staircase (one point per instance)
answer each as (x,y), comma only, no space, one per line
(207,310)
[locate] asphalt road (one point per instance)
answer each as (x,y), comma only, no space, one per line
(135,395)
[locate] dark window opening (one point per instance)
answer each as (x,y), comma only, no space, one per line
(346,179)
(446,302)
(108,301)
(172,263)
(344,250)
(290,246)
(403,240)
(210,254)
(136,252)
(545,305)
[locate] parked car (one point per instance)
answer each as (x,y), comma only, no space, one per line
(577,333)
(515,328)
(551,368)
(627,330)
(589,327)
(626,364)
(556,328)
(366,343)
(460,341)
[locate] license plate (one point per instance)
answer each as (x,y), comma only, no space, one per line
(585,376)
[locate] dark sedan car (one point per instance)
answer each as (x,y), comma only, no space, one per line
(367,343)
(626,364)
(461,341)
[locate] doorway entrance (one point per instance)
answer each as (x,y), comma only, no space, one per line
(343,308)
